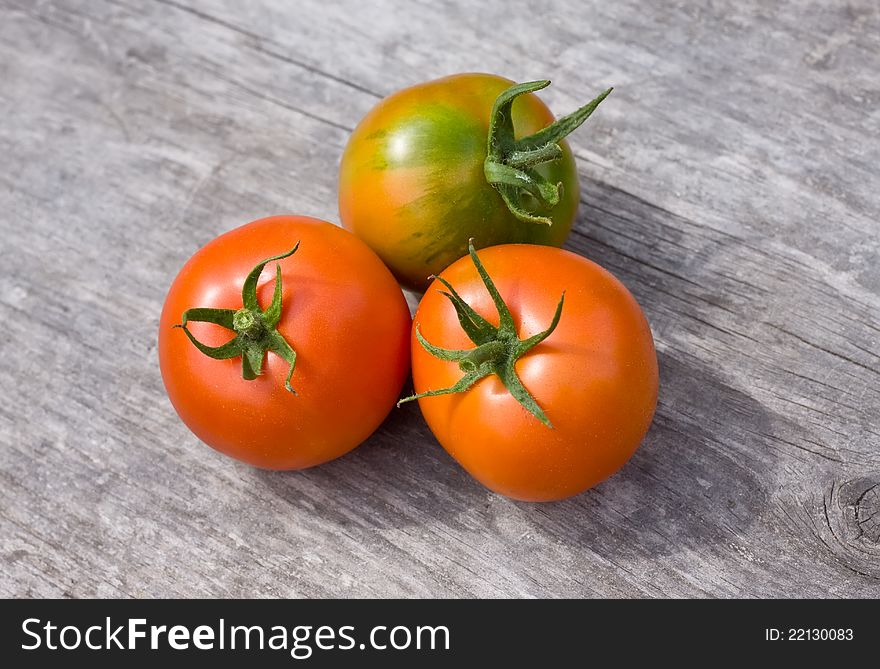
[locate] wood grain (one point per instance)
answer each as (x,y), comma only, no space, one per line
(730,182)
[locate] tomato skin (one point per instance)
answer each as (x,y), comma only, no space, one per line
(343,313)
(412,185)
(595,377)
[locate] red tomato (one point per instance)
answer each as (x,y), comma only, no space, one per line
(593,378)
(342,313)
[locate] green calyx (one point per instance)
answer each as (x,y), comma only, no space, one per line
(255,328)
(497,348)
(510,162)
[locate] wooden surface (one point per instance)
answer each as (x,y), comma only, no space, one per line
(731,181)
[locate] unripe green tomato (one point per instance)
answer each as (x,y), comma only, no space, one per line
(413,181)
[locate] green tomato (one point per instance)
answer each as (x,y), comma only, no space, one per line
(466,156)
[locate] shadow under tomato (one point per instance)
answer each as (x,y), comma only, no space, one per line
(397,478)
(695,482)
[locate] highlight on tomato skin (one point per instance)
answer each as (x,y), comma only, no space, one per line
(557,406)
(470,155)
(284,343)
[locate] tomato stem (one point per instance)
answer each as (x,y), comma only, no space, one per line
(497,348)
(248,324)
(510,162)
(493,351)
(255,328)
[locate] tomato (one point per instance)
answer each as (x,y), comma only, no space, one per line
(341,313)
(558,394)
(436,164)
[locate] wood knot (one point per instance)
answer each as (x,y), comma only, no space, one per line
(852,524)
(867,514)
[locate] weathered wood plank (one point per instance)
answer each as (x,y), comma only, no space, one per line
(728,182)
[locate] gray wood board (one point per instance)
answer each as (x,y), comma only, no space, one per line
(730,181)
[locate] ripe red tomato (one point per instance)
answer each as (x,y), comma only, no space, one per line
(341,313)
(587,367)
(471,155)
